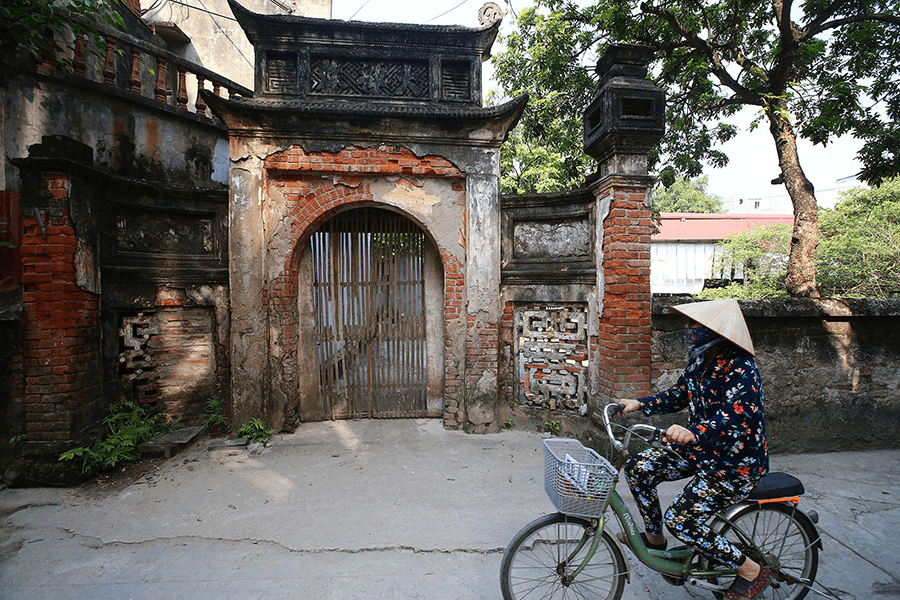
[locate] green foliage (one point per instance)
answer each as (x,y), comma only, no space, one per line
(859,252)
(128,425)
(33,28)
(256,430)
(858,255)
(554,426)
(832,68)
(815,69)
(543,59)
(759,257)
(686,196)
(214,418)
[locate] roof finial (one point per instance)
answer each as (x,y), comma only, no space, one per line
(489,14)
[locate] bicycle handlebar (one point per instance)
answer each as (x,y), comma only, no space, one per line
(610,410)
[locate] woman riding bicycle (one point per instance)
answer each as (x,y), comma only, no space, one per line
(723,448)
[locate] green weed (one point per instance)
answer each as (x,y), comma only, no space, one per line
(256,430)
(128,426)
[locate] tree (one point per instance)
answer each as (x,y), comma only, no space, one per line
(32,29)
(757,259)
(817,69)
(859,255)
(860,250)
(686,195)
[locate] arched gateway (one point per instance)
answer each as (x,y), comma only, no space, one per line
(364,157)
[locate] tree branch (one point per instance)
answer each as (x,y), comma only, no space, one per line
(821,17)
(698,43)
(890,19)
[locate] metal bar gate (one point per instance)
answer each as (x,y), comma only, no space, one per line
(369,298)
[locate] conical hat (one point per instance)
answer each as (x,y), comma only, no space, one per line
(722,316)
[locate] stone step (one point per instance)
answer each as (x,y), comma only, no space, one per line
(170,443)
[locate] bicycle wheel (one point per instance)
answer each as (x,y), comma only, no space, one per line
(786,540)
(539,562)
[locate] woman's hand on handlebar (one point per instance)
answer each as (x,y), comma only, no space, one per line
(629,405)
(679,435)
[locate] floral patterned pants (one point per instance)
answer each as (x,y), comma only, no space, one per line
(700,499)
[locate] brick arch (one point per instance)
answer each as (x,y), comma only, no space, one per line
(311,200)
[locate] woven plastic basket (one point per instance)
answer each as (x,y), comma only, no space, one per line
(577,479)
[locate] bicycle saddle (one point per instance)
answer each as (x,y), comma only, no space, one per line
(776,485)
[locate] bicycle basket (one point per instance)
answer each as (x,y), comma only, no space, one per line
(577,479)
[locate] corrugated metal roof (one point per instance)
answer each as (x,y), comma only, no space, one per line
(701,226)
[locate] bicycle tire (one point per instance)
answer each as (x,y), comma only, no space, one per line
(785,536)
(532,565)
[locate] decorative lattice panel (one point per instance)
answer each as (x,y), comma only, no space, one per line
(136,364)
(552,356)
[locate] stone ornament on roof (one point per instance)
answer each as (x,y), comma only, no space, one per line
(489,14)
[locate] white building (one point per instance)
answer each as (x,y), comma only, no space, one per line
(681,254)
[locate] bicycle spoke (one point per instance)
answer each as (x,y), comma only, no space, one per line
(542,558)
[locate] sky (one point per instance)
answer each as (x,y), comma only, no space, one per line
(753,162)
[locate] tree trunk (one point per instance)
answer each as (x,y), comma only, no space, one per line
(801,269)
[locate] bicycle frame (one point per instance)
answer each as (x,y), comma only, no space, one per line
(675,562)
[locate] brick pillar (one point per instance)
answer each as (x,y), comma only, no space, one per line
(623,351)
(62,330)
(60,294)
(621,126)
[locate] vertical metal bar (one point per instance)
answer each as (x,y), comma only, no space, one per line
(421,388)
(377,323)
(336,346)
(321,323)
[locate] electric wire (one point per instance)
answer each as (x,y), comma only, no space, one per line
(215,14)
(445,12)
(358,9)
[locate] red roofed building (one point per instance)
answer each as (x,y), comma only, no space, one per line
(681,254)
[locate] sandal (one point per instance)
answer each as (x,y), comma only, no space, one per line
(741,589)
(624,539)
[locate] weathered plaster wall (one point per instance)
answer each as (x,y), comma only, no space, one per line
(282,193)
(830,369)
(217,41)
(123,210)
(130,135)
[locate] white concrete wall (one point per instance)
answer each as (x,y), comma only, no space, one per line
(680,267)
(217,41)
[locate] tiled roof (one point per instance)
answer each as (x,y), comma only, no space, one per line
(698,226)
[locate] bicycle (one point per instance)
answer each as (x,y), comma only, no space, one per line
(570,554)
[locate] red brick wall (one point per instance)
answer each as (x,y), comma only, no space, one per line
(62,332)
(312,199)
(623,350)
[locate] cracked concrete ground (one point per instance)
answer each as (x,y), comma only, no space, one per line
(372,509)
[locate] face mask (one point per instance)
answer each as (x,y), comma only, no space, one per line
(695,335)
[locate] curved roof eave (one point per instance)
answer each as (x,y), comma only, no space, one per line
(261,28)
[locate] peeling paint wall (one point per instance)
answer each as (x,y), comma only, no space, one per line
(830,369)
(127,137)
(298,190)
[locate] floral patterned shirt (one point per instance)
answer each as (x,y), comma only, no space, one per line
(725,413)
